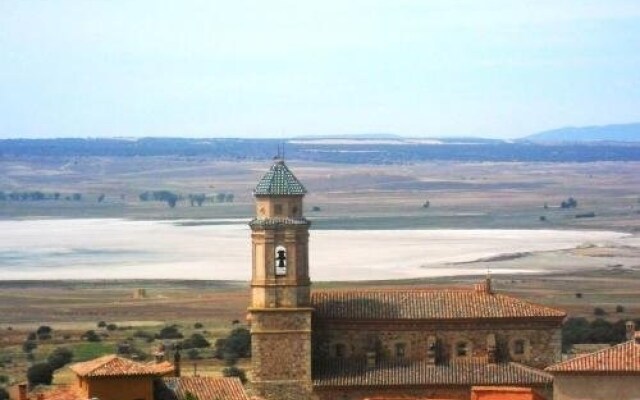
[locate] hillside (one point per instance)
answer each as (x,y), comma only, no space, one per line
(610,133)
(351,151)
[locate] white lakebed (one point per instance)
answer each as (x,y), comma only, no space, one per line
(126,249)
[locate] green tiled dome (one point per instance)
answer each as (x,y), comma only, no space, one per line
(279,181)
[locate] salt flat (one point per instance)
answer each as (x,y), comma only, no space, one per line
(125,249)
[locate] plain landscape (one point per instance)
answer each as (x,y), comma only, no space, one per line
(81,236)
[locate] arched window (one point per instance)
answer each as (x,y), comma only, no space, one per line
(463,349)
(281,261)
(340,350)
(519,347)
(401,349)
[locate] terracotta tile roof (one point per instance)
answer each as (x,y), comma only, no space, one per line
(62,393)
(624,357)
(112,365)
(425,304)
(200,386)
(279,181)
(420,373)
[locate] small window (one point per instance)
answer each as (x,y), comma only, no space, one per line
(462,349)
(340,350)
(281,261)
(518,347)
(401,350)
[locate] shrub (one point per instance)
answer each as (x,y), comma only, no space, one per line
(112,327)
(29,345)
(44,330)
(170,332)
(235,371)
(195,341)
(40,374)
(60,357)
(4,395)
(91,336)
(599,312)
(3,379)
(197,325)
(32,336)
(102,324)
(193,354)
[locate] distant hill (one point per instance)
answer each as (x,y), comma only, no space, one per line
(609,133)
(353,151)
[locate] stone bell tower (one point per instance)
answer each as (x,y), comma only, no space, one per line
(280,309)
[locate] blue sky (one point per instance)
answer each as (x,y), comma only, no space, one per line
(88,68)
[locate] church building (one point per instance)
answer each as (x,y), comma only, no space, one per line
(361,344)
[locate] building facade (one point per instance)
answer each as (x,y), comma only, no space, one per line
(612,373)
(359,344)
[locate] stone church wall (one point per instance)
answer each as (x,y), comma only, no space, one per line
(542,346)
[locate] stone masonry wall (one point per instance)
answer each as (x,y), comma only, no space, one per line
(542,345)
(281,353)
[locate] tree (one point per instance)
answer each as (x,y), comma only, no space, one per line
(198,325)
(29,345)
(599,312)
(76,197)
(237,344)
(193,354)
(195,341)
(170,332)
(60,357)
(4,395)
(112,327)
(235,372)
(102,324)
(44,330)
(569,203)
(40,374)
(91,336)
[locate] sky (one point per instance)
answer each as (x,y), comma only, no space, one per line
(424,68)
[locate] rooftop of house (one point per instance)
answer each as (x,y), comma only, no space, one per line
(112,365)
(355,373)
(425,304)
(622,358)
(201,387)
(279,181)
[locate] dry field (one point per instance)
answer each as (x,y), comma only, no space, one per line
(461,195)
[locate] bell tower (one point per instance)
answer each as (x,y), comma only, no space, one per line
(280,308)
